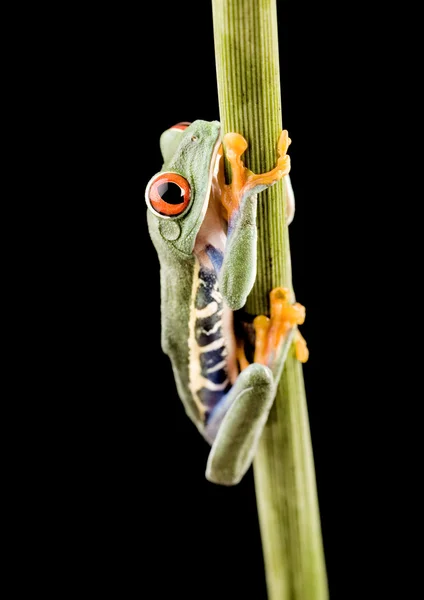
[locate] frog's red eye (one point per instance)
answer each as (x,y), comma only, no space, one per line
(181,126)
(169,194)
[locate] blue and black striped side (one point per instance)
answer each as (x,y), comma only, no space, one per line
(209,332)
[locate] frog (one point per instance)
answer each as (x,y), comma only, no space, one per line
(204,231)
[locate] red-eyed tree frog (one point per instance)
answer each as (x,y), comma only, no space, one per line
(204,232)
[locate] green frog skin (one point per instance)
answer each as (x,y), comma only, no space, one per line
(204,232)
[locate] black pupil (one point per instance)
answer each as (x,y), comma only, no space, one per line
(171,193)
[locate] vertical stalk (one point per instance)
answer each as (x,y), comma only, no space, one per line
(247,63)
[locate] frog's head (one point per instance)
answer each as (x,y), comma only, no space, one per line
(177,197)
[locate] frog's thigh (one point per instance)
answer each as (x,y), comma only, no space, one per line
(237,423)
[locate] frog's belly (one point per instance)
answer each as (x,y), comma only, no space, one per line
(210,353)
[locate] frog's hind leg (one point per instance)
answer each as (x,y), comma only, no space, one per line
(274,336)
(236,422)
(235,425)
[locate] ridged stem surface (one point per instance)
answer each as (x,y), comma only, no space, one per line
(248,76)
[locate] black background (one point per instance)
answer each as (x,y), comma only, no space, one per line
(107,491)
(151,520)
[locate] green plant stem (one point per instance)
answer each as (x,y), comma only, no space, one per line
(247,63)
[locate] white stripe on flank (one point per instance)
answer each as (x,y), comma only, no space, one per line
(216,294)
(208,311)
(215,387)
(212,346)
(197,381)
(195,375)
(214,329)
(217,367)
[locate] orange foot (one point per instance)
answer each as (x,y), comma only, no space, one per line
(271,332)
(242,178)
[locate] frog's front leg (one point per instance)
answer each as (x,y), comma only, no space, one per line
(236,423)
(239,198)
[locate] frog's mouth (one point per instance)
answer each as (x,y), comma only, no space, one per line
(213,230)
